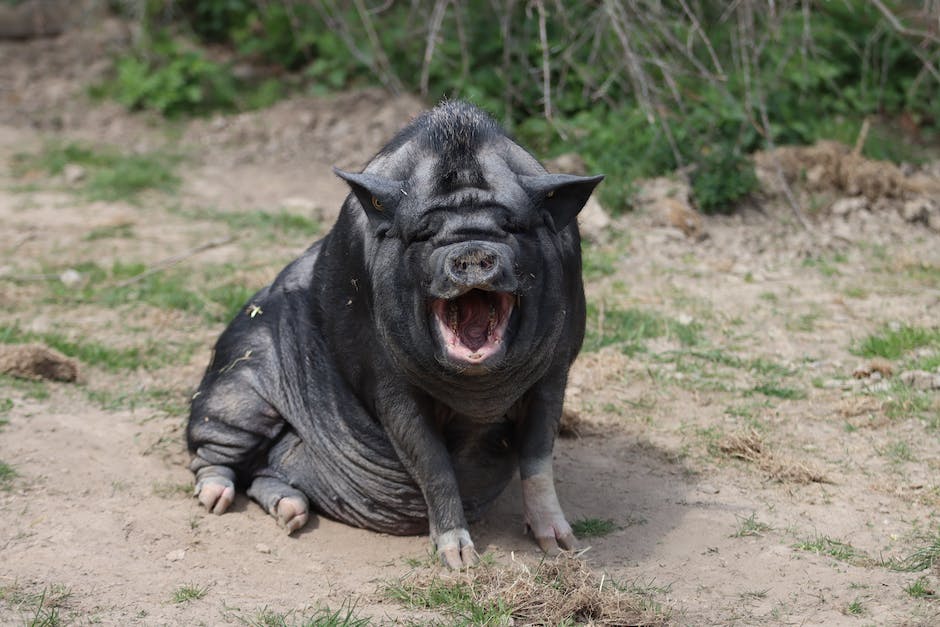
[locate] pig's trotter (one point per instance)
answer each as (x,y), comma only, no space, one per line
(544,517)
(215,488)
(292,513)
(456,549)
(288,505)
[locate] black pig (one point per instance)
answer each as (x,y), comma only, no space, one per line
(396,374)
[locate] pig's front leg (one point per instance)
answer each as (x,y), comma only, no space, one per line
(423,453)
(538,428)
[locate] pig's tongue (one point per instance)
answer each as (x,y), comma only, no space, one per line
(474,314)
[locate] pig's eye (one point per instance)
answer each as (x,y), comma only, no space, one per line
(377,204)
(548,195)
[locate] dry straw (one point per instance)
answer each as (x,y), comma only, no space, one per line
(749,446)
(552,591)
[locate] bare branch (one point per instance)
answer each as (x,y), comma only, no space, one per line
(546,67)
(434,29)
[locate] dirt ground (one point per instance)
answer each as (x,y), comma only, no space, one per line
(736,468)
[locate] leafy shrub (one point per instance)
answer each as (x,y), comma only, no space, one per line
(172,81)
(638,88)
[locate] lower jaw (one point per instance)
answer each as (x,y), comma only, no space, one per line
(473,362)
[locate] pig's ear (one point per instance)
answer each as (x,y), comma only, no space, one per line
(561,195)
(379,197)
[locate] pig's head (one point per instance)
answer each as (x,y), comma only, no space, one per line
(465,241)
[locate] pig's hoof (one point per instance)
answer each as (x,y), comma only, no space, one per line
(216,494)
(456,549)
(292,513)
(554,538)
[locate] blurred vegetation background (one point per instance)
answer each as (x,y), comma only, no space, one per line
(636,87)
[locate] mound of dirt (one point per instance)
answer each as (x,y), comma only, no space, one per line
(37,361)
(837,180)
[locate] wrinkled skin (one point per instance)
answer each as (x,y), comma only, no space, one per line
(398,373)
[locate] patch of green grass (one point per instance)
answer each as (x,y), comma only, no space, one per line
(110,174)
(855,292)
(898,452)
(170,402)
(826,267)
(750,526)
(42,608)
(597,262)
(924,273)
(920,589)
(757,365)
(123,230)
(902,401)
(844,552)
(805,323)
(6,475)
(593,527)
(893,342)
(36,390)
(210,293)
(345,616)
(454,597)
(630,328)
(260,224)
(189,592)
(922,558)
(777,391)
(855,608)
(94,353)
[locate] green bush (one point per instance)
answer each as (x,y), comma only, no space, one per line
(685,100)
(172,80)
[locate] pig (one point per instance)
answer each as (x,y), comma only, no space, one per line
(398,373)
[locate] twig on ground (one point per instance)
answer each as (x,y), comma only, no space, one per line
(169,262)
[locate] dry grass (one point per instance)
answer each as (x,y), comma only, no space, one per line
(552,591)
(749,446)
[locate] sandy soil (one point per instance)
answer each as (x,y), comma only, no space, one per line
(99,516)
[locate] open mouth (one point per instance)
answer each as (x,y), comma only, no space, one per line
(473,325)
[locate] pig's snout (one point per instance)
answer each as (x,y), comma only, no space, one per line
(482,265)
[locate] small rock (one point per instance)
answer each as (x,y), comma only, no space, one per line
(878,386)
(73,173)
(933,220)
(707,488)
(262,548)
(918,209)
(175,556)
(877,367)
(593,221)
(845,206)
(921,379)
(70,277)
(815,176)
(218,123)
(678,214)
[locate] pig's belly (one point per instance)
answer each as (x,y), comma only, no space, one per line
(352,474)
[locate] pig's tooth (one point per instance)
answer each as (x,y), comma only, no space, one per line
(452,316)
(492,325)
